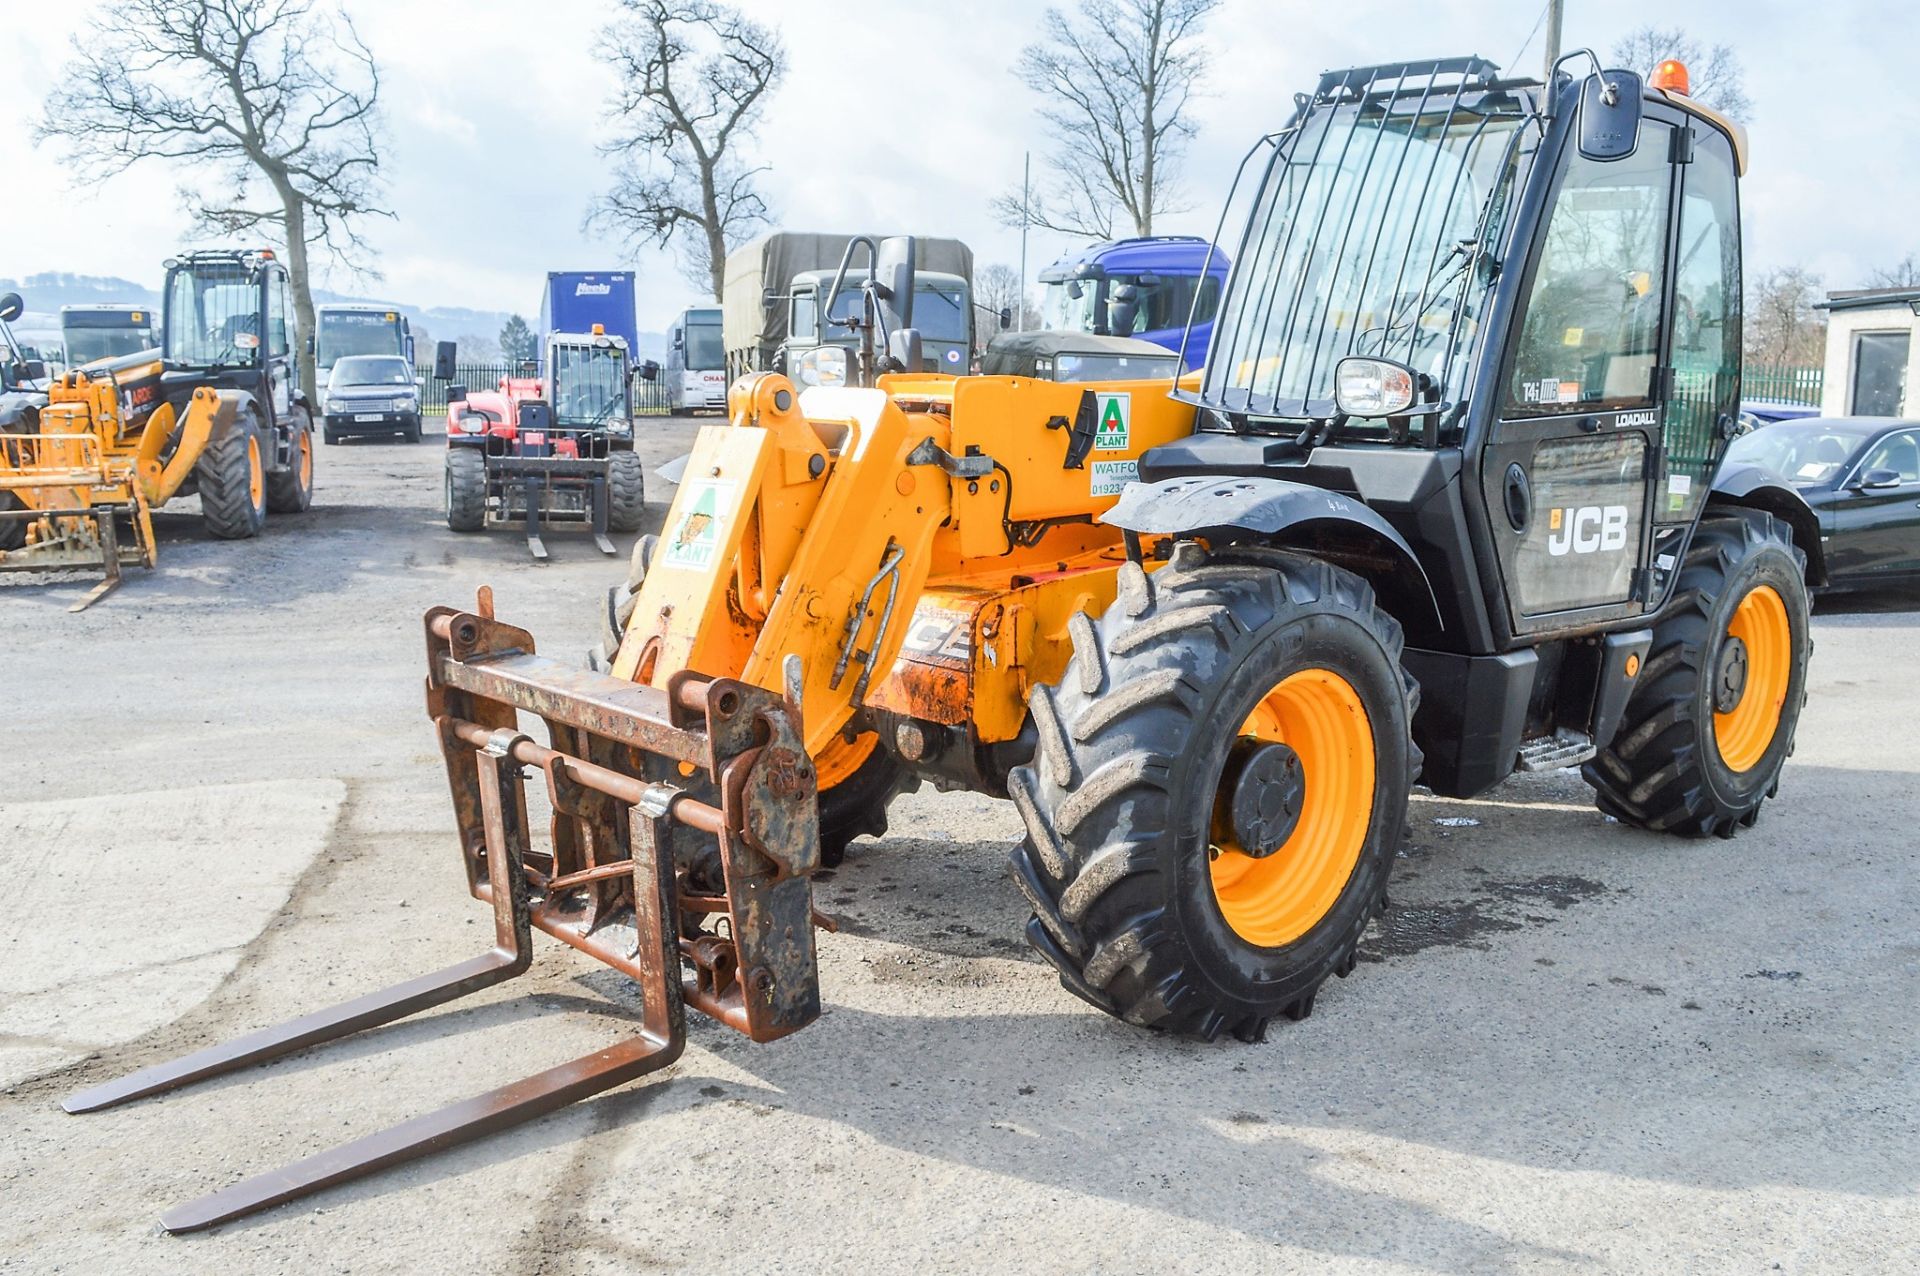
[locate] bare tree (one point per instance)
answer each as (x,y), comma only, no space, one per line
(1117,80)
(694,78)
(235,92)
(1904,273)
(1782,325)
(1717,78)
(998,287)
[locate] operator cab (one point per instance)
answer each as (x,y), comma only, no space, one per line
(1503,314)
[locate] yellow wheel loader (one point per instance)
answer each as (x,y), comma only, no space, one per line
(1447,502)
(213,411)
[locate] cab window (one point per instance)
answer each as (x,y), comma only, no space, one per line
(1591,335)
(277,340)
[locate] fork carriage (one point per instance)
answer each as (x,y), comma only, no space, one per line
(671,810)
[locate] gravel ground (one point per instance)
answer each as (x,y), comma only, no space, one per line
(1573,1047)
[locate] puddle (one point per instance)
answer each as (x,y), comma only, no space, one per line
(1496,908)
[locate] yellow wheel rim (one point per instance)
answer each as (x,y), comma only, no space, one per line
(1275,900)
(1744,729)
(306,460)
(841,758)
(256,474)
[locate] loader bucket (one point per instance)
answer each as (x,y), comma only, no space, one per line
(669,809)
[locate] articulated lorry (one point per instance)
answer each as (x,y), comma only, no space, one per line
(1147,288)
(777,289)
(576,301)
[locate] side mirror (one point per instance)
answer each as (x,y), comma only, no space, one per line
(1074,289)
(1006,318)
(1147,280)
(1875,480)
(650,371)
(11,307)
(679,341)
(1610,106)
(33,370)
(456,394)
(903,349)
(893,269)
(444,358)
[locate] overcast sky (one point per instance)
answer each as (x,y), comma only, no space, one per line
(494,107)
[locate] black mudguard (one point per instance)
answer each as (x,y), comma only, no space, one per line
(1759,488)
(1292,515)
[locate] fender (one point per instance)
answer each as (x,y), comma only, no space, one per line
(1757,488)
(1289,515)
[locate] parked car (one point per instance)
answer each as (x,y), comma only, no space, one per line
(1862,477)
(372,394)
(1755,413)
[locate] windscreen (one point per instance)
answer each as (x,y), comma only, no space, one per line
(213,315)
(351,332)
(1069,305)
(940,314)
(1115,367)
(1364,239)
(105,335)
(589,386)
(1808,455)
(372,370)
(706,352)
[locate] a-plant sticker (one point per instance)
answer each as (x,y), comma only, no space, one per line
(1110,478)
(696,536)
(1116,423)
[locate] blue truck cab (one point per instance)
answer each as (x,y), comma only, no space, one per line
(1144,288)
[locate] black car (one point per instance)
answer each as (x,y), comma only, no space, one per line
(372,394)
(1862,477)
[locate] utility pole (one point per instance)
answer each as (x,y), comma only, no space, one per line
(1556,10)
(1020,300)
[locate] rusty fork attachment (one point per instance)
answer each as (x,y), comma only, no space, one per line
(684,835)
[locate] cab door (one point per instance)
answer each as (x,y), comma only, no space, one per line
(281,370)
(1575,450)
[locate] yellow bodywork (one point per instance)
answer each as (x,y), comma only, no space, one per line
(920,547)
(106,444)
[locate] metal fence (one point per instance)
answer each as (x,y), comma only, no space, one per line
(649,397)
(1783,383)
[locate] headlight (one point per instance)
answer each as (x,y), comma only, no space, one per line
(335,405)
(824,365)
(473,423)
(1372,387)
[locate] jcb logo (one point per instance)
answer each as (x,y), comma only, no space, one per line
(1590,529)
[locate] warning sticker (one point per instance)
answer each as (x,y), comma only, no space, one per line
(1116,423)
(696,537)
(1110,478)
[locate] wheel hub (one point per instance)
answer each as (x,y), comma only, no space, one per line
(1268,790)
(1730,675)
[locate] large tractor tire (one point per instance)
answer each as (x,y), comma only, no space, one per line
(291,491)
(466,489)
(1218,792)
(232,478)
(1712,718)
(620,603)
(626,492)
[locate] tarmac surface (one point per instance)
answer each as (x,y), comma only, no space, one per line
(1572,1046)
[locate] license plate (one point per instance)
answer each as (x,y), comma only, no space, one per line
(367,416)
(534,439)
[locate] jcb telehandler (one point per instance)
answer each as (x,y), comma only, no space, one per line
(1446,502)
(215,410)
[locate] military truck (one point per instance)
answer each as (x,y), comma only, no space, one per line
(777,291)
